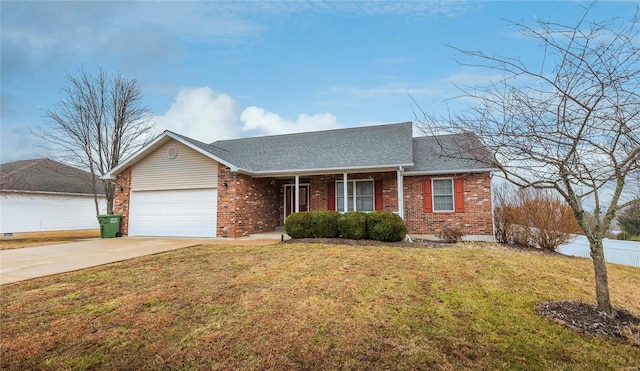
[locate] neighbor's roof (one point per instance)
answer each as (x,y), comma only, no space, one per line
(45,175)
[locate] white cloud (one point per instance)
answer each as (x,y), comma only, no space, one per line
(202,114)
(205,115)
(259,121)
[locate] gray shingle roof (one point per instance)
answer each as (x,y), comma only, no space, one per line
(362,147)
(45,175)
(448,153)
(373,148)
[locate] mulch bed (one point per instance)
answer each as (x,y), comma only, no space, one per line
(580,317)
(586,318)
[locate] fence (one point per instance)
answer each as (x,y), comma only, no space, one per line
(618,252)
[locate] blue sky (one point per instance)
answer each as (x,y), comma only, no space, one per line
(221,70)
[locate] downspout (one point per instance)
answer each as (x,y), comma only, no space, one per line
(400,187)
(493,217)
(296,194)
(345,199)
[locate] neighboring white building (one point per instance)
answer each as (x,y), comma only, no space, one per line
(43,195)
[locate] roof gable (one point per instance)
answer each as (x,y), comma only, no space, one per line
(203,148)
(174,165)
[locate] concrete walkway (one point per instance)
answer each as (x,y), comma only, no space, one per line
(39,261)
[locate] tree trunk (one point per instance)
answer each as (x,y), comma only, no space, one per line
(602,280)
(109,192)
(95,202)
(110,206)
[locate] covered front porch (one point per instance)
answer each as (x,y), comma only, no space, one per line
(257,204)
(365,191)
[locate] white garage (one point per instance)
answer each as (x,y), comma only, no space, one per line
(174,213)
(174,193)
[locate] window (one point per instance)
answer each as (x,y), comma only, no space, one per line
(442,194)
(359,193)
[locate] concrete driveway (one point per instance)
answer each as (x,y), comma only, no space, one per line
(39,261)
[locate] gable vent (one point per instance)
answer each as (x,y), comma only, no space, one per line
(172,152)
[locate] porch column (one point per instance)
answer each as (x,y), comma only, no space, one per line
(296,194)
(345,193)
(401,192)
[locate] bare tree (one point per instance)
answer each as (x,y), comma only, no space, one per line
(98,122)
(571,124)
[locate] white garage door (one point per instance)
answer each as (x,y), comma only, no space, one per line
(176,213)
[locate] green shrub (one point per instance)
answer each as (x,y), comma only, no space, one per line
(623,235)
(353,225)
(299,225)
(379,225)
(634,238)
(385,226)
(320,224)
(325,224)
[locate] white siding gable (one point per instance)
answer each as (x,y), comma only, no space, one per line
(188,169)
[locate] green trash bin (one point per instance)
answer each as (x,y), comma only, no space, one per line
(109,225)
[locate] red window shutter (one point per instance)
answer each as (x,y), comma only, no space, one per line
(426,196)
(377,188)
(458,190)
(331,196)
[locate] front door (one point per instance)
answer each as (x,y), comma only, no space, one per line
(290,201)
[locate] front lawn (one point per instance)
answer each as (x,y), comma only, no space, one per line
(312,306)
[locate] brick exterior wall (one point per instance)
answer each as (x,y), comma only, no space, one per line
(121,199)
(247,205)
(318,192)
(477,218)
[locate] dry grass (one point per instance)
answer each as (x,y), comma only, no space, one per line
(20,240)
(308,306)
(31,242)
